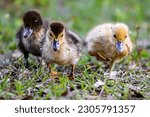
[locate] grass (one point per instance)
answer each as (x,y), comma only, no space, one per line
(130,78)
(18,82)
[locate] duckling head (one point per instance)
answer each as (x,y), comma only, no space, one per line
(56,35)
(32,22)
(120,33)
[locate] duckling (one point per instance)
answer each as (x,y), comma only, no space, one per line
(61,46)
(31,34)
(109,42)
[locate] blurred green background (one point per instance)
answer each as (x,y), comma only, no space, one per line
(78,15)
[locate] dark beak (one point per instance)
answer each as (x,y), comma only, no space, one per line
(27,32)
(120,46)
(55,45)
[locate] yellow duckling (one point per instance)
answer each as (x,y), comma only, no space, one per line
(109,42)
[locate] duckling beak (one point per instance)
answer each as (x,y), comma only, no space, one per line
(27,32)
(120,46)
(55,45)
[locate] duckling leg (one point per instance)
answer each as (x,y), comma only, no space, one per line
(26,55)
(111,65)
(72,76)
(53,74)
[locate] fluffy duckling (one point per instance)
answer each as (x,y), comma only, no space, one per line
(31,34)
(109,42)
(61,46)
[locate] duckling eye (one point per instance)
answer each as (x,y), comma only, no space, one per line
(36,20)
(50,34)
(62,35)
(125,36)
(114,36)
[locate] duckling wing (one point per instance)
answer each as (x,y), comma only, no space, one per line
(73,40)
(99,41)
(19,38)
(19,34)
